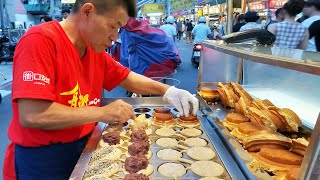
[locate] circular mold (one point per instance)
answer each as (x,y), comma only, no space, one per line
(142,110)
(191,132)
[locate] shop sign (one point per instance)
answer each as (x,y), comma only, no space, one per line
(205,10)
(214,10)
(200,13)
(257,6)
(275,4)
(153,8)
(177,5)
(68,1)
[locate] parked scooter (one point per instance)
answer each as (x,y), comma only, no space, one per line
(196,51)
(7,48)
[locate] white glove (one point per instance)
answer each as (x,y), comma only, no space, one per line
(181,99)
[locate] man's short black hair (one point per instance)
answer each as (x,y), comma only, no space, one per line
(46,18)
(251,16)
(104,6)
(278,11)
(66,10)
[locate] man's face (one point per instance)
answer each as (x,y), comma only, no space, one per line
(65,15)
(98,31)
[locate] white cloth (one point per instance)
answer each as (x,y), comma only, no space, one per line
(307,23)
(169,29)
(181,99)
(250,25)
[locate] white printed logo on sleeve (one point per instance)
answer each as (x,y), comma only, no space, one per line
(35,77)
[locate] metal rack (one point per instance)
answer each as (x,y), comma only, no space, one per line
(270,72)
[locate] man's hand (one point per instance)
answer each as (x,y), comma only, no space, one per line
(117,112)
(181,99)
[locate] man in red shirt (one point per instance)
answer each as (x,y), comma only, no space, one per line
(58,75)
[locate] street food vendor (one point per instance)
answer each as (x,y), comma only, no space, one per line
(58,74)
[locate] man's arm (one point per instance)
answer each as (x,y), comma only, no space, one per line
(43,114)
(142,85)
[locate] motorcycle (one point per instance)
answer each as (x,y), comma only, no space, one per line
(7,48)
(196,51)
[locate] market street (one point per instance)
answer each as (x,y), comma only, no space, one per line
(186,73)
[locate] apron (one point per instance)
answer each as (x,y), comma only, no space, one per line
(55,161)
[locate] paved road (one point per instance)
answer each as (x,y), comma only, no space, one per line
(186,74)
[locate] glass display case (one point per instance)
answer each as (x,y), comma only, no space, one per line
(288,78)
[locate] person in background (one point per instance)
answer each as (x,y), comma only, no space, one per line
(251,17)
(240,23)
(201,31)
(59,72)
(169,28)
(44,19)
(312,9)
(289,33)
(279,17)
(179,29)
(189,28)
(65,13)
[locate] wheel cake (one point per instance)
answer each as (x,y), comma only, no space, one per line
(167,142)
(195,142)
(201,153)
(169,154)
(172,170)
(207,168)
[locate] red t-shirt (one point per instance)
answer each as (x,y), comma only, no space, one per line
(47,66)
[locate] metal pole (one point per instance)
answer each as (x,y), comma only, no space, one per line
(51,12)
(229,16)
(2,15)
(168,7)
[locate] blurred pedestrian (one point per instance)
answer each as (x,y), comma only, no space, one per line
(312,9)
(65,13)
(201,31)
(279,17)
(251,17)
(169,28)
(240,22)
(189,28)
(179,29)
(44,19)
(289,33)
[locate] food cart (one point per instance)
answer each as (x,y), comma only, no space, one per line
(288,78)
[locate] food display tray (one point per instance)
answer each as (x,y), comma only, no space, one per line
(218,112)
(147,106)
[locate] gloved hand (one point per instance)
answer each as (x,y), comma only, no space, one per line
(181,99)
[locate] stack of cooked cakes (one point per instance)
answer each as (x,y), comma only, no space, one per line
(227,96)
(209,94)
(277,160)
(191,120)
(299,146)
(265,138)
(163,117)
(232,120)
(243,130)
(276,119)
